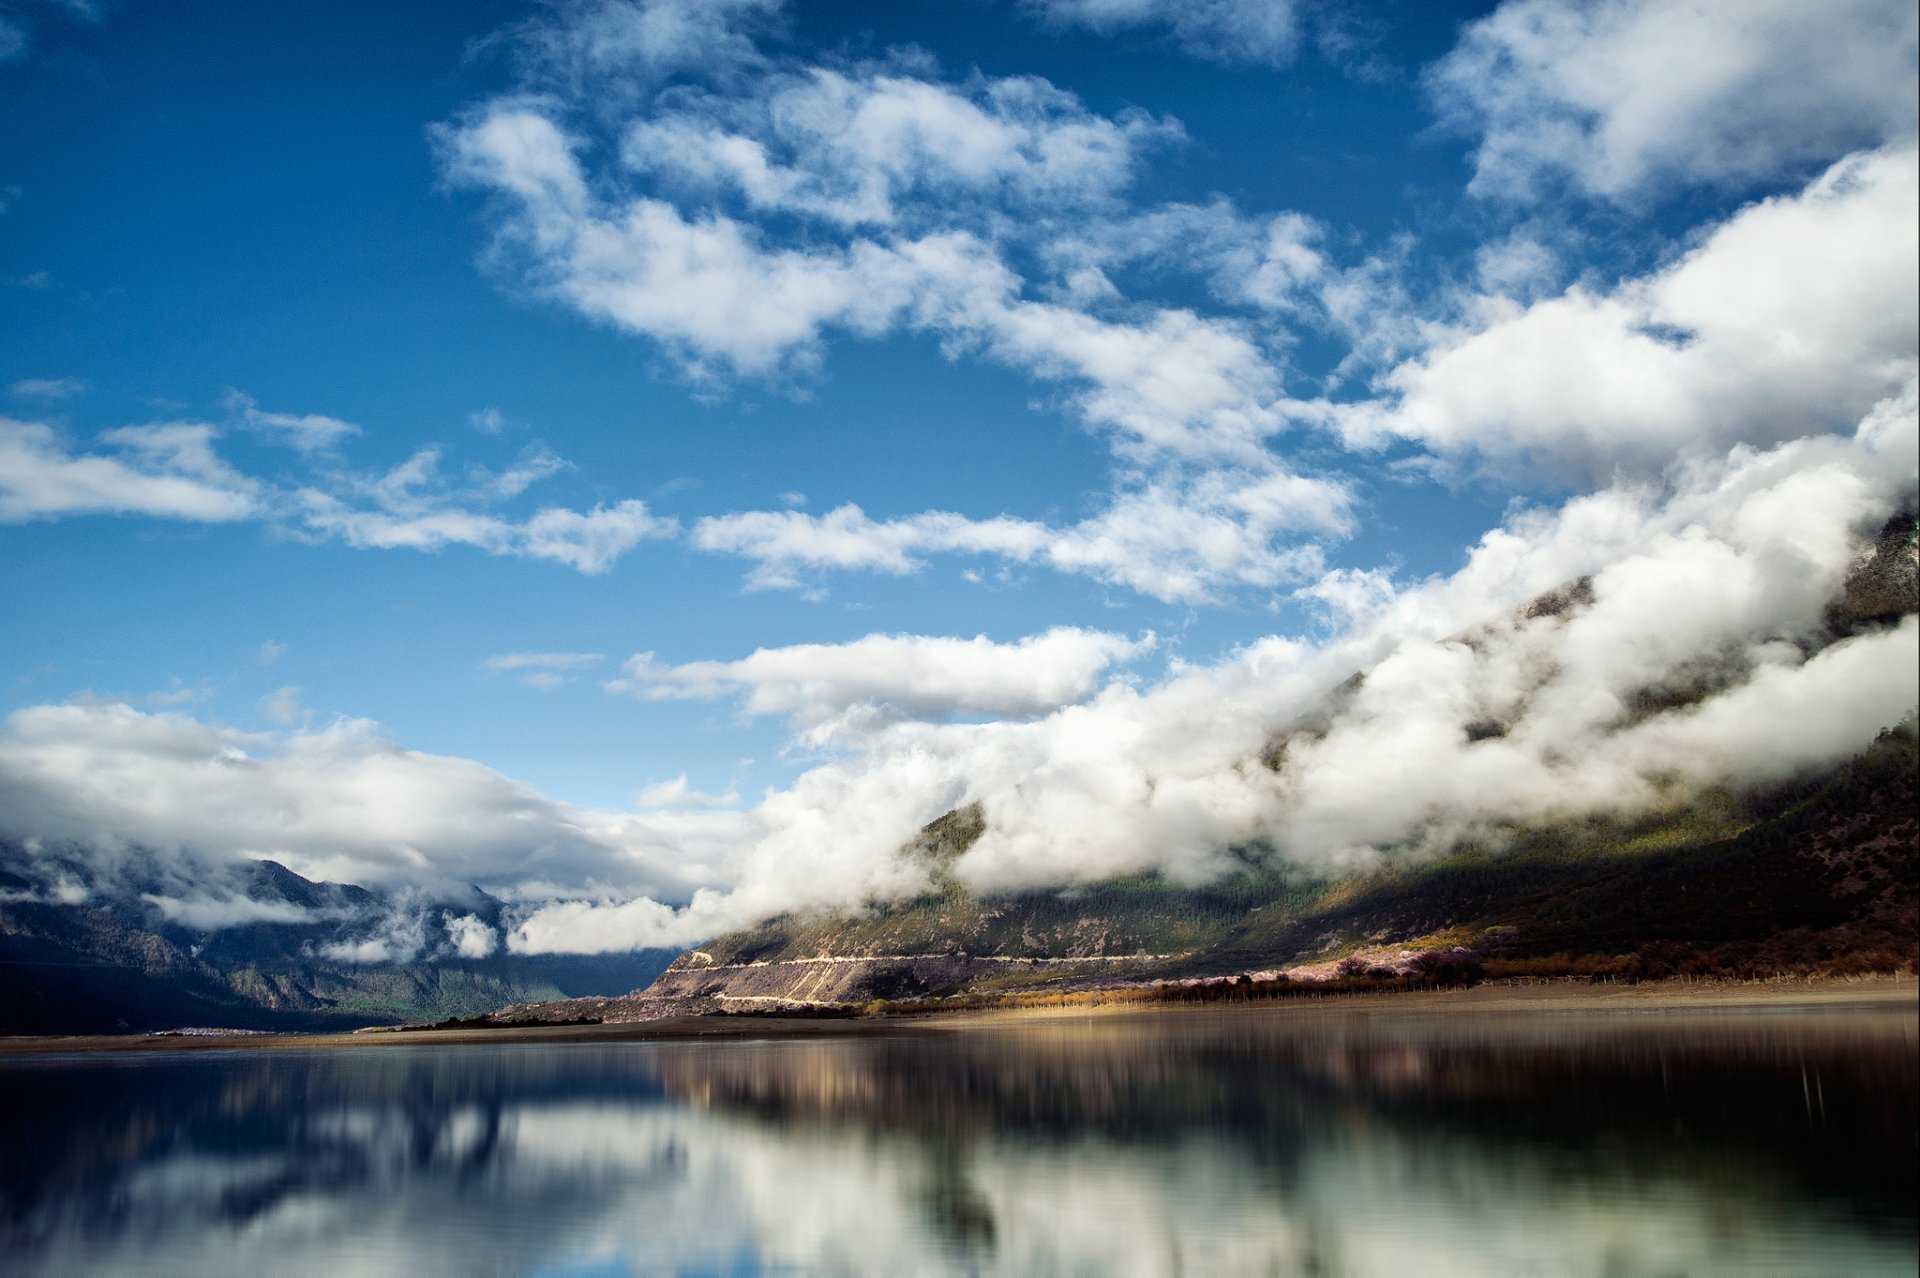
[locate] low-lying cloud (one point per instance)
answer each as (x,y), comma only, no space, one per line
(1709,588)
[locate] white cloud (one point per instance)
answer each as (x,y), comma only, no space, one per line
(630,45)
(207,913)
(1231,31)
(536,464)
(1631,95)
(304,432)
(472,936)
(53,388)
(545,671)
(488,421)
(590,541)
(710,287)
(341,803)
(167,471)
(282,705)
(909,189)
(270,652)
(915,676)
(1724,566)
(1726,569)
(678,794)
(850,146)
(1180,540)
(171,470)
(544,660)
(1794,315)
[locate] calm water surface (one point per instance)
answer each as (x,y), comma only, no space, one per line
(1195,1144)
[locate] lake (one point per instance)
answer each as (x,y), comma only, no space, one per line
(1187,1143)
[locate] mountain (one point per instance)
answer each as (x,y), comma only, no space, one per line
(1816,873)
(313,956)
(1813,874)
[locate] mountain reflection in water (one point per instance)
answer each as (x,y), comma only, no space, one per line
(1196,1144)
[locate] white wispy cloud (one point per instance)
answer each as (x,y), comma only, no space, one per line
(1794,314)
(282,705)
(167,471)
(342,803)
(908,185)
(590,541)
(47,388)
(1230,31)
(174,470)
(543,670)
(912,676)
(1183,540)
(678,794)
(870,147)
(1630,95)
(1726,565)
(488,421)
(713,288)
(305,432)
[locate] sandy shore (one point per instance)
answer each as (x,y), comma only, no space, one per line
(1885,993)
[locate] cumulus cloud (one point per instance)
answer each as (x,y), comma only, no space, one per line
(413,506)
(1688,647)
(638,44)
(164,471)
(911,676)
(340,803)
(472,937)
(1231,31)
(1795,314)
(1707,588)
(1180,540)
(847,146)
(1630,95)
(1740,417)
(740,222)
(173,470)
(713,288)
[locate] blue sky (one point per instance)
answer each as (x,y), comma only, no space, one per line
(381,383)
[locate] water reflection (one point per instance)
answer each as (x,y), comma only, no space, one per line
(1191,1144)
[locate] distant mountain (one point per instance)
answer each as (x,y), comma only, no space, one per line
(1815,876)
(1819,874)
(128,959)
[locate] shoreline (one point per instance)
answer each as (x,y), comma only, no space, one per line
(1886,994)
